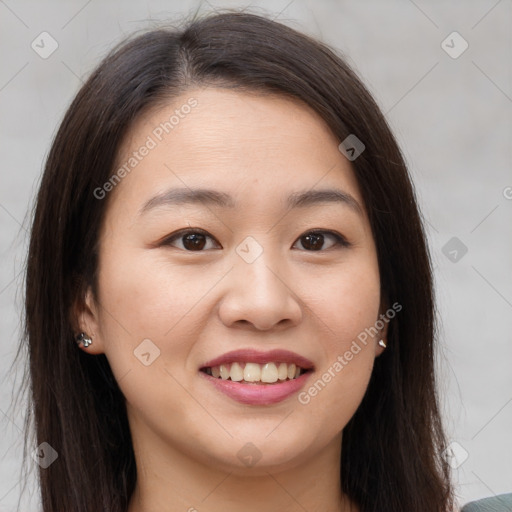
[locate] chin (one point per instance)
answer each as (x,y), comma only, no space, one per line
(257,452)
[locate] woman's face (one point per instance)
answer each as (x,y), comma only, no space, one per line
(206,250)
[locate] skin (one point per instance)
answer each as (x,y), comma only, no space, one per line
(195,305)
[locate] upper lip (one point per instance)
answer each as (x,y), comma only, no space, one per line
(256,356)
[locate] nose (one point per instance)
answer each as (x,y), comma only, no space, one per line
(259,294)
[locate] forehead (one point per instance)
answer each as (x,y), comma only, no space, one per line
(238,142)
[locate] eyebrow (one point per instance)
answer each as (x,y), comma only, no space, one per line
(204,196)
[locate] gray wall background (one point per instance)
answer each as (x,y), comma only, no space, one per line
(451,114)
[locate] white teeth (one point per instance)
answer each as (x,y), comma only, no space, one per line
(254,372)
(269,373)
(282,371)
(224,371)
(236,373)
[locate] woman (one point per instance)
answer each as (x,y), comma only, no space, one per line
(228,294)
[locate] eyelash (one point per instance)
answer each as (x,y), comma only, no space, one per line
(340,240)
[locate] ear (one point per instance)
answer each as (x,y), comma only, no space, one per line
(86,319)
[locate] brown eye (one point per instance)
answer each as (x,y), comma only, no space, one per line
(191,240)
(315,240)
(194,241)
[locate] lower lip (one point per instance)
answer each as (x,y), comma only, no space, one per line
(258,394)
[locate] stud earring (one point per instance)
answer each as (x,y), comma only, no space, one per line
(83,339)
(382,343)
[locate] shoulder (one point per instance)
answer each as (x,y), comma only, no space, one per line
(501,503)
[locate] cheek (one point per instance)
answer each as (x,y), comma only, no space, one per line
(346,300)
(150,317)
(346,306)
(332,398)
(339,383)
(150,297)
(146,308)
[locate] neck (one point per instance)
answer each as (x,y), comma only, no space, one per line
(191,486)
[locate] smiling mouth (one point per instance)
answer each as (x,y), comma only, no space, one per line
(254,373)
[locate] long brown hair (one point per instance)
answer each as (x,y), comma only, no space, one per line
(392,451)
